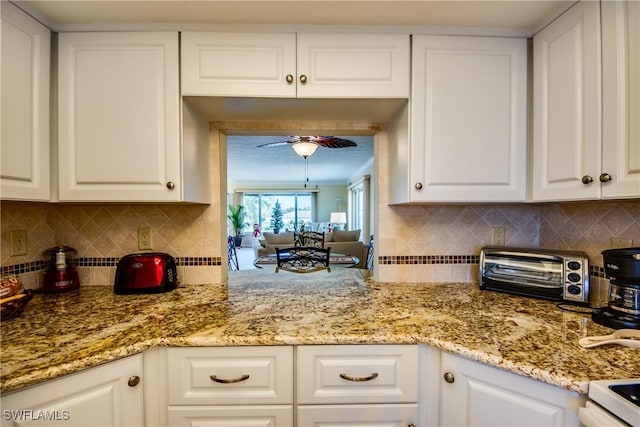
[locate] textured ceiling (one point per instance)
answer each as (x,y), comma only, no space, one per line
(249,165)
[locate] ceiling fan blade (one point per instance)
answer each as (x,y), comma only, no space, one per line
(274,144)
(333,142)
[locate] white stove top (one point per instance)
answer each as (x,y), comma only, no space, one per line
(624,409)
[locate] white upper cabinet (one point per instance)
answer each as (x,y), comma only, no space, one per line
(587,146)
(119,130)
(468,122)
(295,65)
(621,98)
(26,46)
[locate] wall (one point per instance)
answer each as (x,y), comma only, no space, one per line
(413,243)
(331,198)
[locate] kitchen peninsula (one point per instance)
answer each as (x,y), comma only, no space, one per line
(61,334)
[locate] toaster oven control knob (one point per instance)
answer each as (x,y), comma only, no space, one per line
(171,185)
(574,289)
(133,381)
(605,177)
(573,277)
(573,265)
(448,377)
(587,179)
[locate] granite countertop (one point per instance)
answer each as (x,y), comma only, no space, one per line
(64,333)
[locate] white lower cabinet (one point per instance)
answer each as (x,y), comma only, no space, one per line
(222,386)
(373,385)
(107,395)
(475,394)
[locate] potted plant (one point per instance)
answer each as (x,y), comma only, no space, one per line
(276,218)
(236,216)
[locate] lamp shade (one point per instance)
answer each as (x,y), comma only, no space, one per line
(338,218)
(305,149)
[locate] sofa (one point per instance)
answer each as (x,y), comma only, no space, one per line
(340,241)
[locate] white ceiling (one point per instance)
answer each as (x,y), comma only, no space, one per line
(247,164)
(250,167)
(523,16)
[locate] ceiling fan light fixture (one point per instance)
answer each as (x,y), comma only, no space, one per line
(305,149)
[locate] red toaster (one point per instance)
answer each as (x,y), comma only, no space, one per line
(146,273)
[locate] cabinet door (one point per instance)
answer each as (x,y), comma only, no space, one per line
(621,98)
(468,119)
(358,415)
(24,147)
(481,395)
(236,416)
(119,136)
(566,106)
(353,66)
(238,64)
(98,396)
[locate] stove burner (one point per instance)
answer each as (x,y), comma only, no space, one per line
(615,319)
(631,392)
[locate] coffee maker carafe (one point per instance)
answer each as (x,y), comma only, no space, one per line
(60,274)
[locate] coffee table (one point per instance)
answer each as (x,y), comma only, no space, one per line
(336,260)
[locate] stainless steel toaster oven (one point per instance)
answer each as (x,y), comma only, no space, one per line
(551,274)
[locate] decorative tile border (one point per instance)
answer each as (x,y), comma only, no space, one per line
(428,259)
(31,267)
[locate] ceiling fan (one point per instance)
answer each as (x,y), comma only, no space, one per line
(306,145)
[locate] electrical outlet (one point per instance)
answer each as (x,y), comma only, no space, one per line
(18,240)
(497,236)
(144,238)
(619,243)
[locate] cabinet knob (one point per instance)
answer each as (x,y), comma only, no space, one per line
(171,185)
(303,79)
(448,377)
(605,177)
(289,78)
(133,381)
(418,186)
(587,179)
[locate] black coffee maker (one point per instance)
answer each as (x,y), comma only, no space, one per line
(623,309)
(60,274)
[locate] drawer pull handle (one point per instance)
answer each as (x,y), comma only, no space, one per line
(373,376)
(231,381)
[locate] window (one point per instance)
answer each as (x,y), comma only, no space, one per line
(297,208)
(359,209)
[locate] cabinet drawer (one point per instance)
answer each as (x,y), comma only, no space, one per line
(225,416)
(357,374)
(399,415)
(230,375)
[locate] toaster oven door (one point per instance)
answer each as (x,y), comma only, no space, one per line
(524,274)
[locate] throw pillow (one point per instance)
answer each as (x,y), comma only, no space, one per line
(346,236)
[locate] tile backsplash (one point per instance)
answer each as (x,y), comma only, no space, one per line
(100,232)
(410,240)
